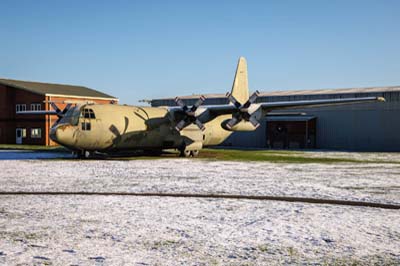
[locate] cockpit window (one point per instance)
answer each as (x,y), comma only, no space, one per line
(88,113)
(71,116)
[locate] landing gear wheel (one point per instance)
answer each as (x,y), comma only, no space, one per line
(83,154)
(194,153)
(185,153)
(87,154)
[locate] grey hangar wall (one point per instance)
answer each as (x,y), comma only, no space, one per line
(357,127)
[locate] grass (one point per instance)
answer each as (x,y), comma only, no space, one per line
(273,156)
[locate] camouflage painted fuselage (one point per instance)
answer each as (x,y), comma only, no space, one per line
(121,127)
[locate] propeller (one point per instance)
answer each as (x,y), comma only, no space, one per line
(117,133)
(60,113)
(242,112)
(189,114)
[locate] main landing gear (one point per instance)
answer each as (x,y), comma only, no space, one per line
(187,153)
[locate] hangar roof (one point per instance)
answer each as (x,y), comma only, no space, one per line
(304,92)
(55,89)
(332,91)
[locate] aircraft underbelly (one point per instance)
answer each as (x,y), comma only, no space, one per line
(158,138)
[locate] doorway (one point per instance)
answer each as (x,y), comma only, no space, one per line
(291,132)
(18,134)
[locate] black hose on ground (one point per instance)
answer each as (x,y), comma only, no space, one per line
(209,196)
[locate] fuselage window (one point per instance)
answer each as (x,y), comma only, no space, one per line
(88,113)
(86,126)
(91,114)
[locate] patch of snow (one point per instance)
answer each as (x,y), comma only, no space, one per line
(116,230)
(170,231)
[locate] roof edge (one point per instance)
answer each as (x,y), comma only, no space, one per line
(81,97)
(4,82)
(20,87)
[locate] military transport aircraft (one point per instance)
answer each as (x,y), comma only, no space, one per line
(110,128)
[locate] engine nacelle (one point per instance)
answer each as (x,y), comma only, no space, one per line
(241,126)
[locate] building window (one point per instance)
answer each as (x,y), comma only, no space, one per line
(20,107)
(36,133)
(86,126)
(36,107)
(88,113)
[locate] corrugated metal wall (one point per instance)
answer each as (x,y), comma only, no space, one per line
(359,127)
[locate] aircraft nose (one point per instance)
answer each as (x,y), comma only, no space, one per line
(53,135)
(61,134)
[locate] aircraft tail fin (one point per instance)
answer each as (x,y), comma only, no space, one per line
(240,88)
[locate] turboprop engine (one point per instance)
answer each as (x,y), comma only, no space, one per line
(189,114)
(242,119)
(240,126)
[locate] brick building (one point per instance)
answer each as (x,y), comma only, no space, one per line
(16,95)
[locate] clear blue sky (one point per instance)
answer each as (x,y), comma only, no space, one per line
(149,49)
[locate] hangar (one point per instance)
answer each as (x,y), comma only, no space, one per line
(357,127)
(17,95)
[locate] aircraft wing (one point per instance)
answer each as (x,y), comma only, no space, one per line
(268,106)
(251,112)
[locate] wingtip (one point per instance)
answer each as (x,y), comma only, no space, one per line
(381,99)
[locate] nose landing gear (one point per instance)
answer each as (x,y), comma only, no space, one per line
(82,154)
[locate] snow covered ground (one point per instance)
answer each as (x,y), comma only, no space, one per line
(364,156)
(116,230)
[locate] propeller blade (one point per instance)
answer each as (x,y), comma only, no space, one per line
(254,96)
(232,122)
(55,107)
(198,103)
(114,130)
(179,102)
(200,124)
(181,125)
(66,108)
(253,120)
(233,100)
(251,100)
